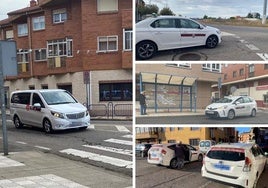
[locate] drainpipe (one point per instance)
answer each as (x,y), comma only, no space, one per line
(30,43)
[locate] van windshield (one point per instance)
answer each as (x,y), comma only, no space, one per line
(204,144)
(58,97)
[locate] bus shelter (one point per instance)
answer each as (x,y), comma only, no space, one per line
(169,92)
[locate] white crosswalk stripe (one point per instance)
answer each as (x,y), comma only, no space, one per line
(98,157)
(117,141)
(264,56)
(121,128)
(111,149)
(226,34)
(128,136)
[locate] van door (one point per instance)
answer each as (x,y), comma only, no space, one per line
(36,114)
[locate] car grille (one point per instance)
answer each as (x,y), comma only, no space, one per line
(76,116)
(212,108)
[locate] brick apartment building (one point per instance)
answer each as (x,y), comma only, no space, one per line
(182,85)
(83,46)
(187,135)
(246,79)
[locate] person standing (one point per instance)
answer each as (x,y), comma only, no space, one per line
(143,103)
(180,155)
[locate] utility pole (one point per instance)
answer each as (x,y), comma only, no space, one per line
(264,12)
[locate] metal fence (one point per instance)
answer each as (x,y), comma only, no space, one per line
(110,110)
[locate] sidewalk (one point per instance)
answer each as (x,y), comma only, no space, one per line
(37,169)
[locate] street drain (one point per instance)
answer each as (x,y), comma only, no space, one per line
(189,56)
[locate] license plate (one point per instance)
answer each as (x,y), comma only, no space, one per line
(210,112)
(222,167)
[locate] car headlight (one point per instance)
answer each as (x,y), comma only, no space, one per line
(222,107)
(57,114)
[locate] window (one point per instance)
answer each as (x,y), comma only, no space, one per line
(107,43)
(60,47)
(115,91)
(225,76)
(37,99)
(107,6)
(172,129)
(234,74)
(22,30)
(180,65)
(171,141)
(40,54)
(266,66)
(265,98)
(194,142)
(31,87)
(195,128)
(164,23)
(127,45)
(213,67)
(21,98)
(184,23)
(9,34)
(241,72)
(251,70)
(59,15)
(23,60)
(39,23)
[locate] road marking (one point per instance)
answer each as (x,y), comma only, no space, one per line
(252,47)
(6,162)
(41,147)
(205,185)
(97,157)
(226,34)
(121,128)
(91,127)
(128,136)
(110,149)
(117,141)
(19,142)
(264,56)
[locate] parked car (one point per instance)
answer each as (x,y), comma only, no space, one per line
(232,106)
(205,145)
(171,32)
(142,149)
(164,154)
(239,164)
(51,109)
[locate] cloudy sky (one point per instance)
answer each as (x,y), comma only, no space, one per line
(211,8)
(11,5)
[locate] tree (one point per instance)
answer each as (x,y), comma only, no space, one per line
(166,11)
(205,17)
(147,9)
(250,15)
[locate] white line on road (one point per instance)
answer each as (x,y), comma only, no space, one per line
(19,142)
(205,185)
(128,136)
(41,147)
(97,157)
(110,149)
(226,34)
(252,47)
(121,128)
(117,141)
(264,56)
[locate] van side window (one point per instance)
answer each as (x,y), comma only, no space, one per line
(37,99)
(21,98)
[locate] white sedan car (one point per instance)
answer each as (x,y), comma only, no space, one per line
(232,106)
(237,163)
(171,32)
(164,154)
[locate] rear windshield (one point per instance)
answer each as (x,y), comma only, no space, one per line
(58,97)
(226,155)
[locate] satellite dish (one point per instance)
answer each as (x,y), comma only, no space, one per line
(233,89)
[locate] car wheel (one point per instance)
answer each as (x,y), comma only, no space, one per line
(17,122)
(231,114)
(253,112)
(47,126)
(200,157)
(145,50)
(173,163)
(212,41)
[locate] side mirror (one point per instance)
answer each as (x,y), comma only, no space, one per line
(37,106)
(201,27)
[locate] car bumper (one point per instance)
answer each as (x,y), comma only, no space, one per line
(241,180)
(62,124)
(216,113)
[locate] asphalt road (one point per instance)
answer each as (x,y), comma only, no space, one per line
(148,175)
(261,118)
(110,140)
(239,43)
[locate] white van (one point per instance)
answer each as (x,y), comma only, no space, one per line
(51,109)
(204,145)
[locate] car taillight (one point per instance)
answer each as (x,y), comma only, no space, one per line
(247,166)
(164,152)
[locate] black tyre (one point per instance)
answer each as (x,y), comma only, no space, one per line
(173,163)
(253,113)
(200,157)
(231,114)
(145,50)
(47,126)
(17,122)
(212,41)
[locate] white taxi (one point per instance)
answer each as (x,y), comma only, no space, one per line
(171,32)
(232,106)
(164,154)
(238,163)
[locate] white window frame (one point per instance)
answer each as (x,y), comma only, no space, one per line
(22,29)
(44,50)
(106,39)
(127,39)
(107,6)
(23,53)
(61,47)
(38,23)
(212,67)
(60,13)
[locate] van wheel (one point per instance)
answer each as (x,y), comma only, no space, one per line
(173,163)
(47,126)
(231,114)
(200,157)
(17,122)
